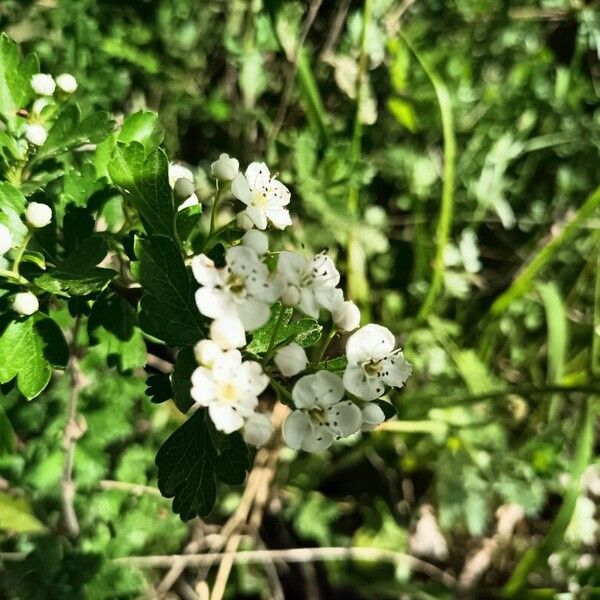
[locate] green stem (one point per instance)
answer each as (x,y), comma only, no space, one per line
(554,537)
(444,224)
(19,254)
(16,278)
(325,341)
(214,209)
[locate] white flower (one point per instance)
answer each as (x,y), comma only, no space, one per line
(291,359)
(38,215)
(36,134)
(309,283)
(373,362)
(372,415)
(66,82)
(184,188)
(5,239)
(257,430)
(346,316)
(177,172)
(43,84)
(225,168)
(230,389)
(39,104)
(263,195)
(243,221)
(228,332)
(257,240)
(241,288)
(321,415)
(206,353)
(25,303)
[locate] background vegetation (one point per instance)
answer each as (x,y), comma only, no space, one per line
(447,152)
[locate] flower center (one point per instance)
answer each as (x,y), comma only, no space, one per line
(372,368)
(227,392)
(259,198)
(236,286)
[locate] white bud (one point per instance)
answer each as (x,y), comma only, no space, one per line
(243,221)
(177,171)
(43,84)
(228,333)
(36,134)
(225,168)
(257,430)
(291,359)
(184,188)
(39,104)
(67,83)
(38,215)
(5,239)
(290,295)
(25,303)
(372,415)
(257,240)
(206,353)
(346,316)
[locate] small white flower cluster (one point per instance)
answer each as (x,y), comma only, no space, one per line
(238,297)
(44,85)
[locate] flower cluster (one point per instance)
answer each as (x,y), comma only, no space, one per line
(238,295)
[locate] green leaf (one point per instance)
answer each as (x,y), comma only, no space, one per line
(30,349)
(145,184)
(69,131)
(189,464)
(389,410)
(305,332)
(12,206)
(159,388)
(167,310)
(77,275)
(7,434)
(16,515)
(187,220)
(80,184)
(181,380)
(15,79)
(144,127)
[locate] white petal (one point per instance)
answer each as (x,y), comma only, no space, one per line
(206,353)
(257,175)
(308,303)
(228,332)
(328,388)
(280,217)
(328,297)
(253,313)
(295,428)
(252,377)
(291,359)
(257,430)
(291,266)
(257,241)
(346,316)
(325,270)
(243,261)
(396,370)
(277,194)
(177,171)
(258,216)
(357,383)
(203,386)
(344,418)
(303,393)
(240,189)
(370,342)
(317,439)
(191,201)
(213,302)
(225,418)
(372,415)
(205,271)
(227,365)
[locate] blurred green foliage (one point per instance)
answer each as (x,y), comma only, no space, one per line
(522,83)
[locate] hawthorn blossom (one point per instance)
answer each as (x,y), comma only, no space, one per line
(67,83)
(38,215)
(257,429)
(257,240)
(346,316)
(6,240)
(43,84)
(36,134)
(264,196)
(321,415)
(291,359)
(177,172)
(25,303)
(373,363)
(242,288)
(228,332)
(229,389)
(225,168)
(309,283)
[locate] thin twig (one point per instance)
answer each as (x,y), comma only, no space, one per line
(133,488)
(294,555)
(335,30)
(73,431)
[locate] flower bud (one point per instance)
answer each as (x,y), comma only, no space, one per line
(67,83)
(184,188)
(257,240)
(372,415)
(346,316)
(243,221)
(43,84)
(225,168)
(38,215)
(36,134)
(228,333)
(5,239)
(206,353)
(291,359)
(39,104)
(25,303)
(177,171)
(257,430)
